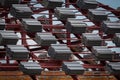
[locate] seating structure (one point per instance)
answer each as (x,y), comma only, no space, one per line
(59,40)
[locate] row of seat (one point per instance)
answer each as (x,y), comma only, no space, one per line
(70,68)
(45,39)
(103,53)
(51,4)
(73,68)
(31,25)
(2,24)
(59,51)
(23,11)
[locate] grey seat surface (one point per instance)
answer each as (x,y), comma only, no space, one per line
(51,4)
(8,37)
(45,39)
(59,52)
(87,4)
(91,39)
(73,68)
(75,26)
(97,15)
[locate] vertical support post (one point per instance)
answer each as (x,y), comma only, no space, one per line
(66,3)
(50,19)
(68,34)
(23,35)
(7,60)
(68,38)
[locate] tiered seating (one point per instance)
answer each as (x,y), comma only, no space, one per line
(109,27)
(87,4)
(2,24)
(113,68)
(8,3)
(116,39)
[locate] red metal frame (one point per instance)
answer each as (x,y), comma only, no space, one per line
(48,62)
